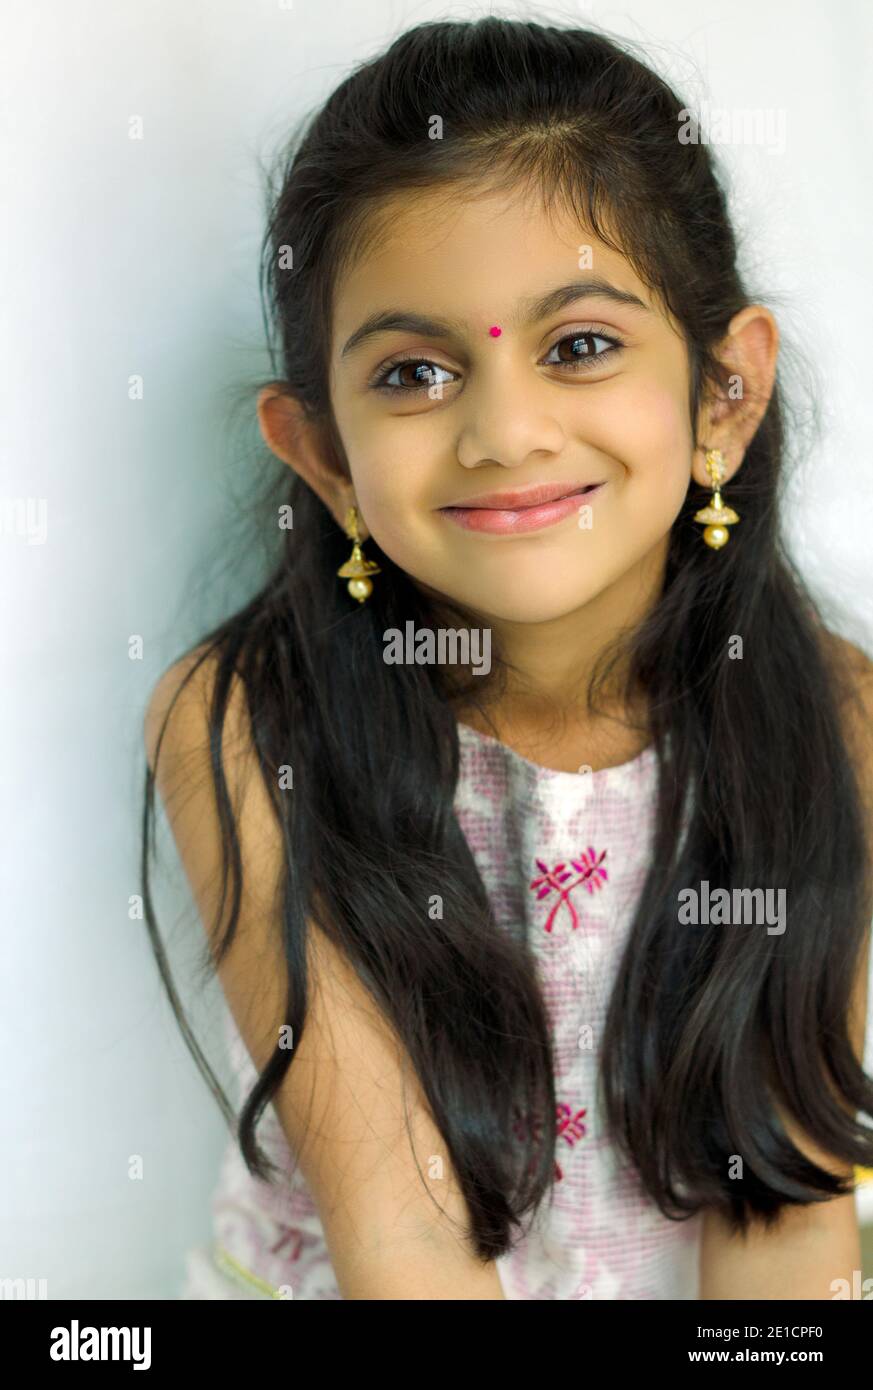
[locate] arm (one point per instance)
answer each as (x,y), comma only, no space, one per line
(813,1245)
(345,1100)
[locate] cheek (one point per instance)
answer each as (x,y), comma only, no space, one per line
(389,492)
(657,448)
(388,467)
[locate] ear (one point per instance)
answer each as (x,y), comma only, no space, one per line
(729,420)
(307,448)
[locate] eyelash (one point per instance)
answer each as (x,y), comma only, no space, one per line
(581,365)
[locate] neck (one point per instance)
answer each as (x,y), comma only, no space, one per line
(547,669)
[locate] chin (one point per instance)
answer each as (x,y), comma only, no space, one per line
(530,604)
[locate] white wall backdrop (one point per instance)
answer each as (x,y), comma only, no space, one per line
(139,257)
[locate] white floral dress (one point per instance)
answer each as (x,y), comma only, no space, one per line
(563,856)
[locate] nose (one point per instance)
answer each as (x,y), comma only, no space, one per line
(512,415)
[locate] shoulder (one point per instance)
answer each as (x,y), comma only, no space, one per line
(208,775)
(854,676)
(177,727)
(852,670)
(850,665)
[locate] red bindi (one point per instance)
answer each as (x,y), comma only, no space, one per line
(495,332)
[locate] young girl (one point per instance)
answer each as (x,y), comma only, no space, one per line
(525,807)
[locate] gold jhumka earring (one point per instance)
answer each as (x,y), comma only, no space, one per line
(716,516)
(357,569)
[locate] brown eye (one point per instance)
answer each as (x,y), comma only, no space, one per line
(577,350)
(420,374)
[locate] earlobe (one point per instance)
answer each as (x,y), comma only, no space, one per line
(699,470)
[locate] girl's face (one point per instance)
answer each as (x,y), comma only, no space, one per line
(450,426)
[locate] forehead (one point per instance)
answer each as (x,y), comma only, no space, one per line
(473,256)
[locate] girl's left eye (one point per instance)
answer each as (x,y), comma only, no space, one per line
(426,371)
(586,358)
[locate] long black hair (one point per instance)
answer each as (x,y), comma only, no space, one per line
(708,1028)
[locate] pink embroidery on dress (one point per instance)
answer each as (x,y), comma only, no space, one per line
(283,1240)
(568,1127)
(587,866)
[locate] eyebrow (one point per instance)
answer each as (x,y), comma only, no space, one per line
(532,310)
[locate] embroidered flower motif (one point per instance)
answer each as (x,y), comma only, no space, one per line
(590,873)
(568,1126)
(283,1240)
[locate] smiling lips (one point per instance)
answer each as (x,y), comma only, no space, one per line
(526,509)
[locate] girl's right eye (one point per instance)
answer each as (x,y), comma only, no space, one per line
(425,375)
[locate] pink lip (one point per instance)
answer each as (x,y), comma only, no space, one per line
(515,498)
(529,509)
